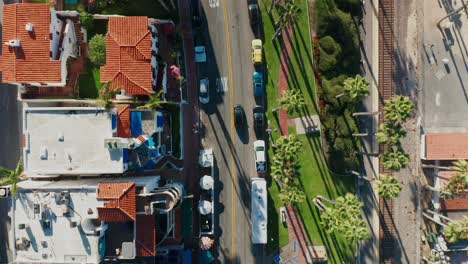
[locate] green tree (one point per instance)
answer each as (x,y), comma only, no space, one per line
(288,14)
(342,215)
(86,20)
(291,195)
(11,177)
(97,49)
(458,184)
(398,108)
(153,102)
(457,230)
(291,100)
(355,88)
(460,166)
(285,165)
(106,95)
(390,134)
(388,186)
(395,160)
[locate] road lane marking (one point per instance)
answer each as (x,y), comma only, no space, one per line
(231,101)
(437,99)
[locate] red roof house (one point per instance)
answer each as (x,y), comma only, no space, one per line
(119,201)
(123,121)
(128,55)
(146,236)
(446,146)
(31,61)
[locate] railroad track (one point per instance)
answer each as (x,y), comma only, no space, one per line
(386,91)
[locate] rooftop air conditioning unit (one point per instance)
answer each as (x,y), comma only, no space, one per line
(29,27)
(13,43)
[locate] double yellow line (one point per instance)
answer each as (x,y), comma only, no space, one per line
(231,106)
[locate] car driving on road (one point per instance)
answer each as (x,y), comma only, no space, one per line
(204,93)
(239,116)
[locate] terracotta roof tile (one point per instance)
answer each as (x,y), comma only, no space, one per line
(123,121)
(119,201)
(31,61)
(128,55)
(145,236)
(447,146)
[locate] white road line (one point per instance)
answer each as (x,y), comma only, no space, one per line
(437,99)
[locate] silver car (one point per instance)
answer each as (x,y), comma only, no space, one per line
(204,94)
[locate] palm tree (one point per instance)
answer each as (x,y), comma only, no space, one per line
(398,108)
(343,216)
(458,184)
(291,195)
(288,13)
(11,177)
(460,166)
(388,186)
(153,102)
(291,100)
(107,95)
(395,160)
(355,88)
(285,165)
(390,134)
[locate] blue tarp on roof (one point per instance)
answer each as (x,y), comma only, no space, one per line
(135,123)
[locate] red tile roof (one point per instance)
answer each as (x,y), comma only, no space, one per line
(128,55)
(31,61)
(447,146)
(145,236)
(123,121)
(456,203)
(119,204)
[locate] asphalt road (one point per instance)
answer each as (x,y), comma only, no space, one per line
(228,41)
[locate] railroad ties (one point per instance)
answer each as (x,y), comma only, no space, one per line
(386,91)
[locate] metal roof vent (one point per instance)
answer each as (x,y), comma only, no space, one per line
(29,27)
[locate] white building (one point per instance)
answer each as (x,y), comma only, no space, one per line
(89,220)
(259,213)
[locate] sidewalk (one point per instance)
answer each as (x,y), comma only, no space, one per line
(190,110)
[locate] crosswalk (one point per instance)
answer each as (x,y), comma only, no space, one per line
(213,3)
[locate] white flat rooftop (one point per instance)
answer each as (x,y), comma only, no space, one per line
(59,243)
(259,214)
(69,141)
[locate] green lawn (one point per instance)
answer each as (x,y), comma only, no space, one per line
(89,81)
(315,177)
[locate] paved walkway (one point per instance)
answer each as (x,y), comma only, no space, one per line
(190,111)
(296,231)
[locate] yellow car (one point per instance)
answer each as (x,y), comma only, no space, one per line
(256,51)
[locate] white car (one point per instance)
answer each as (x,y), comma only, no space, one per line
(204,93)
(200,54)
(260,156)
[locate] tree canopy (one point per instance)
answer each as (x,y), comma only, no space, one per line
(97,49)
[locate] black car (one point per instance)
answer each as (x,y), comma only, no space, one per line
(259,120)
(254,14)
(239,116)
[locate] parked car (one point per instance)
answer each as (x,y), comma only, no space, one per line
(260,157)
(239,116)
(258,84)
(256,51)
(204,94)
(200,54)
(259,120)
(254,14)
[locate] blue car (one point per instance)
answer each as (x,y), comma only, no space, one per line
(258,84)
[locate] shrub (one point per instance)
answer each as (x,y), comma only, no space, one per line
(97,49)
(86,20)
